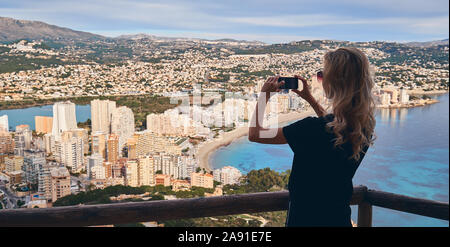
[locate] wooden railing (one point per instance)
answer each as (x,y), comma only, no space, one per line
(119,213)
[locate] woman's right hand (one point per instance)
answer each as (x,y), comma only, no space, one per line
(305,93)
(272,85)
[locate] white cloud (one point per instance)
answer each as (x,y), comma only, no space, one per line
(172,15)
(403,6)
(197,18)
(422,25)
(295,20)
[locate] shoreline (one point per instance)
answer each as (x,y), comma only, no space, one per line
(422,92)
(27,103)
(77,100)
(207,148)
(411,104)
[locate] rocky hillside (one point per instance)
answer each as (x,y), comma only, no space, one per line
(12,29)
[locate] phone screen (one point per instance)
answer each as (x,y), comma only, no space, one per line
(289,82)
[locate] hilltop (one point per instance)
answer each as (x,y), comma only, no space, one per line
(13,29)
(143,36)
(144,64)
(428,43)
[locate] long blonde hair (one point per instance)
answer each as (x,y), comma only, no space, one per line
(348,83)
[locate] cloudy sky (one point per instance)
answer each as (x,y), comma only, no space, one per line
(267,21)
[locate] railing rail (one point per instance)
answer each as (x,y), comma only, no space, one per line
(424,207)
(119,213)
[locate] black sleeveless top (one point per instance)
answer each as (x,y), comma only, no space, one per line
(320,184)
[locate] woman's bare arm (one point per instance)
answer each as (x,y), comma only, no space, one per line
(257,133)
(320,111)
(306,95)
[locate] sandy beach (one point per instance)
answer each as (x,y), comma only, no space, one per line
(207,148)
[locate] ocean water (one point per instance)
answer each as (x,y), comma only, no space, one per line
(410,157)
(26,116)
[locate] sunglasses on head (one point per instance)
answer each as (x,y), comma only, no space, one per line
(319,74)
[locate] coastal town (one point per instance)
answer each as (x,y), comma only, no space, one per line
(172,148)
(178,66)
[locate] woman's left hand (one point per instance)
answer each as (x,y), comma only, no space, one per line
(272,85)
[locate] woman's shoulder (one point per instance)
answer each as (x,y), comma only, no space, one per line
(327,118)
(306,124)
(314,120)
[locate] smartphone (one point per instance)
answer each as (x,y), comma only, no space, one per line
(289,82)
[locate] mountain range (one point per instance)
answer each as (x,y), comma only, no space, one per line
(154,37)
(13,29)
(428,43)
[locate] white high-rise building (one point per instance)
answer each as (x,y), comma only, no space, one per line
(39,143)
(69,151)
(95,160)
(98,172)
(22,139)
(64,118)
(4,123)
(99,143)
(131,173)
(404,97)
(227,175)
(385,99)
(45,182)
(168,164)
(186,166)
(13,164)
(146,171)
(122,125)
(33,164)
(49,142)
(172,123)
(81,133)
(101,115)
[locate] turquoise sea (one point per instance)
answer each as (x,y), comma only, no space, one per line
(26,116)
(409,157)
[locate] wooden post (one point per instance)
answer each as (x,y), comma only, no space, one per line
(365,214)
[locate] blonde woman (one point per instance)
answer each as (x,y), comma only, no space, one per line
(328,148)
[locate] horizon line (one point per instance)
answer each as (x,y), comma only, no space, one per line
(175,36)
